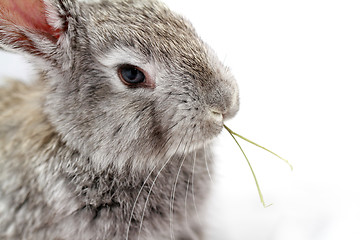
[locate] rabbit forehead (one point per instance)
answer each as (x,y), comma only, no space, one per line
(150,28)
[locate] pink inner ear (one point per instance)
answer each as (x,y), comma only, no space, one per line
(27,13)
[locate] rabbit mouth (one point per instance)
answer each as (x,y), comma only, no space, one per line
(196,135)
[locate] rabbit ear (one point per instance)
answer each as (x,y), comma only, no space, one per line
(33,25)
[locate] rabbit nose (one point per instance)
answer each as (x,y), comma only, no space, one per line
(223,104)
(233,106)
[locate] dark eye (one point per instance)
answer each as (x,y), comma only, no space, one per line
(131,75)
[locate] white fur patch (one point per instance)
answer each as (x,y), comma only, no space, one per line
(52,15)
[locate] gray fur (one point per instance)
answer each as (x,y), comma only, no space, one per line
(82,156)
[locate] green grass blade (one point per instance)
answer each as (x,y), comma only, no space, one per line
(249,141)
(252,171)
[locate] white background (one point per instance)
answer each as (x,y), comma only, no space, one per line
(298,67)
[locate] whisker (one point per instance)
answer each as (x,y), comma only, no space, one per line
(193,191)
(207,166)
(148,196)
(174,189)
(174,125)
(145,181)
(153,184)
(187,147)
(186,196)
(173,200)
(136,199)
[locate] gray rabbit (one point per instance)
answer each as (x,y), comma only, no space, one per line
(113,140)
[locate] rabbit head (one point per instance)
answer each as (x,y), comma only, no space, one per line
(128,83)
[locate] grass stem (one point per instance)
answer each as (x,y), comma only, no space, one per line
(233,134)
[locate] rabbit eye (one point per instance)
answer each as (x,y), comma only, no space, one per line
(131,75)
